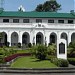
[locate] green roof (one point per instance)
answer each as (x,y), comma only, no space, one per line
(36,14)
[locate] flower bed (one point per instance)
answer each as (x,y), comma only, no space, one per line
(9,58)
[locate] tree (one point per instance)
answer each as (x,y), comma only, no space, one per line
(71,48)
(48,6)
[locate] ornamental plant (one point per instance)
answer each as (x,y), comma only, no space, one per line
(51,49)
(40,51)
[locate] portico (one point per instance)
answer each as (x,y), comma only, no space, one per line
(23,27)
(35,35)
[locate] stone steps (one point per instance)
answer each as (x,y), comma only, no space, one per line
(37,71)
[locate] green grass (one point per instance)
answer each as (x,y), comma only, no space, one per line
(23,51)
(31,62)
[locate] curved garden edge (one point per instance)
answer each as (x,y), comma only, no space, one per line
(10,58)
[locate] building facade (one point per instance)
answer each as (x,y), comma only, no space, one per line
(36,27)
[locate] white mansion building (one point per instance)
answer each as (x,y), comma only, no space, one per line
(36,27)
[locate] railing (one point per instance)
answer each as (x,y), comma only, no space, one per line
(61,26)
(35,25)
(16,25)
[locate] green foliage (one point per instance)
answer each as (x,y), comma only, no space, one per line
(33,50)
(48,6)
(19,45)
(2,59)
(51,49)
(40,51)
(71,49)
(71,61)
(7,51)
(1,35)
(31,62)
(29,45)
(60,62)
(8,44)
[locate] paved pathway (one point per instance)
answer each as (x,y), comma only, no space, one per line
(71,66)
(38,74)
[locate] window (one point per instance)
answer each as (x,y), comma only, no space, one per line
(38,20)
(60,21)
(25,20)
(15,20)
(50,21)
(5,20)
(70,21)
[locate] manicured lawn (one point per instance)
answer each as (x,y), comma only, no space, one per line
(31,62)
(23,51)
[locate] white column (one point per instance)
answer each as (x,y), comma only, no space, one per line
(20,38)
(9,38)
(47,38)
(58,36)
(35,39)
(69,38)
(31,38)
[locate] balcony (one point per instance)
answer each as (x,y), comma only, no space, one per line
(35,25)
(61,26)
(15,25)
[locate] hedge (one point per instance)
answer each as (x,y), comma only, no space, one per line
(60,62)
(71,61)
(9,58)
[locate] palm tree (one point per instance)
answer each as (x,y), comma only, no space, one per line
(71,48)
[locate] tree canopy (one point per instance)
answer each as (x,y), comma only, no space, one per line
(48,6)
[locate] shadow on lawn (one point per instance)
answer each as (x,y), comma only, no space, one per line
(38,60)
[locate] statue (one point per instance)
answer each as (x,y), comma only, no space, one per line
(21,8)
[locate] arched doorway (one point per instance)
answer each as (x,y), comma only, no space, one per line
(25,38)
(14,39)
(64,36)
(73,37)
(4,38)
(39,38)
(53,38)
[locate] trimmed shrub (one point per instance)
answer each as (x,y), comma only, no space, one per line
(60,62)
(19,45)
(33,44)
(71,61)
(8,44)
(49,44)
(29,45)
(11,57)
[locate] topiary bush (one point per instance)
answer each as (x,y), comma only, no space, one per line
(71,61)
(60,62)
(29,45)
(8,44)
(19,45)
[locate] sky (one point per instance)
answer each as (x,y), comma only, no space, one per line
(30,5)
